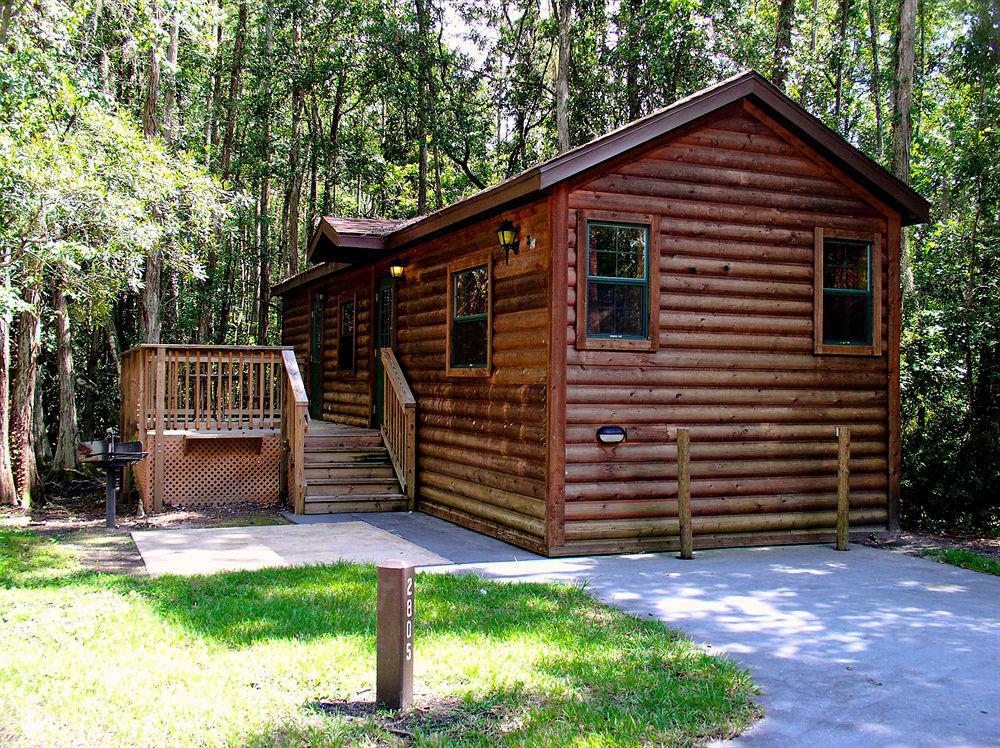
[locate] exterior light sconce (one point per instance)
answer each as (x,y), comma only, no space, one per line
(397,269)
(611,435)
(508,236)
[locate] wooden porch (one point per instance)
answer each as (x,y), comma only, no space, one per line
(226,424)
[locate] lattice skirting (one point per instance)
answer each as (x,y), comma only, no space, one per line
(210,472)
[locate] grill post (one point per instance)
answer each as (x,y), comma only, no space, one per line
(110,496)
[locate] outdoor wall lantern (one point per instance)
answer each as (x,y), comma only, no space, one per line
(507,234)
(397,269)
(611,435)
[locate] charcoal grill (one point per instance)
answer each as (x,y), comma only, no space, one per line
(112,456)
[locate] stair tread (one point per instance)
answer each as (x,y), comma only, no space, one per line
(349,498)
(346,481)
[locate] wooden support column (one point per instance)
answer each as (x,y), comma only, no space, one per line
(684,493)
(158,425)
(843,485)
(394,656)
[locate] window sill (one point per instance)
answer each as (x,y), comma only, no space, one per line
(481,371)
(617,344)
(833,349)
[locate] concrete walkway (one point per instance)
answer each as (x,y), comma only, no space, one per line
(210,550)
(864,648)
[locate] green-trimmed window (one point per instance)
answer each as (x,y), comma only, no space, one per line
(470,321)
(847,292)
(617,280)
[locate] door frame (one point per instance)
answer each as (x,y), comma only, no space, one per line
(378,283)
(317,303)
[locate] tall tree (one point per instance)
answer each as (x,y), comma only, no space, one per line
(902,114)
(783,42)
(563,10)
(64,458)
(27,478)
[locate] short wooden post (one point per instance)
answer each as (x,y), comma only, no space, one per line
(843,484)
(684,493)
(394,656)
(159,424)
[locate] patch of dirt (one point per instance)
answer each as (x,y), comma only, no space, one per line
(428,715)
(915,544)
(74,514)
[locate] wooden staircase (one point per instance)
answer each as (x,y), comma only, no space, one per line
(347,469)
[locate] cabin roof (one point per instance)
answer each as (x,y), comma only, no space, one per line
(340,242)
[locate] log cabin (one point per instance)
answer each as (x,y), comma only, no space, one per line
(520,362)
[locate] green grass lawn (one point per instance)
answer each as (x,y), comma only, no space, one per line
(250,658)
(967,560)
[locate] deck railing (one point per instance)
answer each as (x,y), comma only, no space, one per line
(238,390)
(399,422)
(294,427)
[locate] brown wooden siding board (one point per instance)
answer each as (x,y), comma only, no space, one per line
(736,363)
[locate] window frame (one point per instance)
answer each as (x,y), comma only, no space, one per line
(345,298)
(458,266)
(876,241)
(585,341)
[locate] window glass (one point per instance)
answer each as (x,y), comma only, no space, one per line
(847,292)
(470,317)
(617,282)
(345,344)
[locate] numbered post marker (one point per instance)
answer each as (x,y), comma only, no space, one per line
(394,656)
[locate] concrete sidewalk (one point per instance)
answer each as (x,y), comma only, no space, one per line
(864,648)
(210,550)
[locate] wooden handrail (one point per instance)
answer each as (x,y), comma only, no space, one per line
(294,427)
(399,423)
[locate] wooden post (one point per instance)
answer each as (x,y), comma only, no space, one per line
(394,657)
(843,484)
(684,493)
(158,425)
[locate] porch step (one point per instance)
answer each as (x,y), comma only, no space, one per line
(347,469)
(389,502)
(350,486)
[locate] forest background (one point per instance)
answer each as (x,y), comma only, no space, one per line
(162,163)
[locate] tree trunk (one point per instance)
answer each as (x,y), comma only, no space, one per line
(43,447)
(27,481)
(332,156)
(783,43)
(264,212)
(149,299)
(564,17)
(902,107)
(8,494)
(293,189)
(235,82)
(65,454)
(423,105)
(170,95)
(150,125)
(876,77)
(838,90)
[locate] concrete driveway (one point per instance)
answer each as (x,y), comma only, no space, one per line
(864,648)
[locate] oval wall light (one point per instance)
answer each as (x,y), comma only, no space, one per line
(611,435)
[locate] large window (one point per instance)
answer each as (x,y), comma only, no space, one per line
(847,293)
(345,338)
(617,267)
(469,317)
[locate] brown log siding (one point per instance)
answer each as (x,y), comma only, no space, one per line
(738,204)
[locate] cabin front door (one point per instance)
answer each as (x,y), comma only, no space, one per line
(316,358)
(385,317)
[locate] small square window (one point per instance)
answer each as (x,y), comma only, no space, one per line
(469,324)
(617,280)
(847,293)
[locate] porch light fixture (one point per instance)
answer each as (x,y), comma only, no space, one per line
(611,435)
(397,269)
(507,235)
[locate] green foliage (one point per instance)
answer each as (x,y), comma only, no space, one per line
(967,560)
